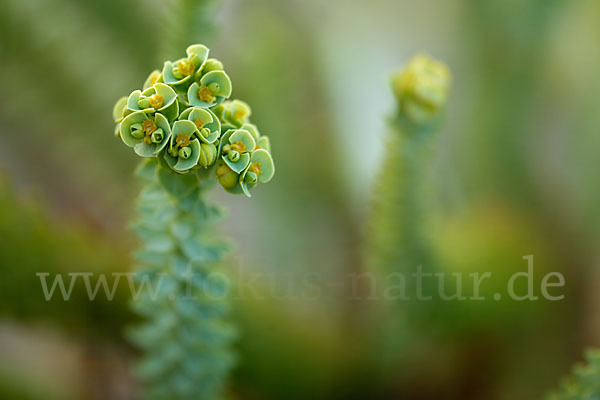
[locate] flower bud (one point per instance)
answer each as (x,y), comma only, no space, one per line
(233,155)
(137,131)
(184,152)
(214,87)
(227,177)
(212,65)
(208,155)
(157,136)
(251,177)
(144,102)
(205,132)
(421,88)
(177,73)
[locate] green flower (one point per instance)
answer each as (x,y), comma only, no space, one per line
(207,123)
(184,150)
(160,97)
(262,142)
(212,64)
(213,88)
(236,113)
(154,77)
(119,112)
(148,135)
(260,169)
(235,149)
(243,165)
(183,70)
(119,109)
(421,88)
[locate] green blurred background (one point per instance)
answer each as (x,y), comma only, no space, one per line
(515,173)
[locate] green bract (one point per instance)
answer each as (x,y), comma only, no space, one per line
(159,97)
(119,112)
(262,142)
(260,169)
(182,116)
(147,135)
(209,126)
(184,150)
(182,70)
(154,77)
(236,113)
(213,88)
(421,88)
(236,147)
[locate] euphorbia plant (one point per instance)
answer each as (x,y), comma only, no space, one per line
(397,242)
(189,137)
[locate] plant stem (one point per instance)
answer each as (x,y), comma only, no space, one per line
(185,337)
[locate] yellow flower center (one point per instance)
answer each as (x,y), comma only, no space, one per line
(205,95)
(154,78)
(156,101)
(182,140)
(199,123)
(238,146)
(149,126)
(255,167)
(185,67)
(239,114)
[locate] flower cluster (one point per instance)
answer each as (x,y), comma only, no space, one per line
(183,116)
(421,88)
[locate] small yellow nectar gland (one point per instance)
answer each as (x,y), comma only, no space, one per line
(185,67)
(156,101)
(149,127)
(238,146)
(199,123)
(239,114)
(182,140)
(255,167)
(205,95)
(154,78)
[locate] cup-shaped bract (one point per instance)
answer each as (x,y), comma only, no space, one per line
(236,113)
(184,150)
(159,97)
(260,169)
(148,135)
(263,142)
(119,109)
(182,71)
(119,112)
(252,129)
(212,64)
(207,123)
(421,88)
(208,155)
(214,87)
(235,149)
(154,77)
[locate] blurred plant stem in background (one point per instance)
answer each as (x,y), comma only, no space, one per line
(186,22)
